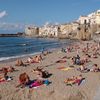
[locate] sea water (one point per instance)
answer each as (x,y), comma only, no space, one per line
(13,47)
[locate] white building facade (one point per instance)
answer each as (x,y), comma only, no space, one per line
(31,31)
(49,30)
(83,19)
(93,18)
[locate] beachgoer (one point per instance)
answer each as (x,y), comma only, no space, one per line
(40,73)
(36,83)
(78,79)
(8,68)
(95,68)
(35,59)
(77,60)
(5,76)
(23,80)
(38,58)
(30,60)
(19,63)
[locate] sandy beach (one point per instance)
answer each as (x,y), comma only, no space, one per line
(57,90)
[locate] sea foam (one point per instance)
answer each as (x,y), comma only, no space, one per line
(19,56)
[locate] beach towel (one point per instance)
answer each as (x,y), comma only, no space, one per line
(79,81)
(2,81)
(35,84)
(70,82)
(61,67)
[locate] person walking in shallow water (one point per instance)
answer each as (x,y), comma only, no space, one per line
(42,51)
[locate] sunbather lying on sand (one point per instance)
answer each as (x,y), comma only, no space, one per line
(29,60)
(79,79)
(70,81)
(40,73)
(23,80)
(39,82)
(8,68)
(95,68)
(19,63)
(4,75)
(83,68)
(94,55)
(36,83)
(35,59)
(74,80)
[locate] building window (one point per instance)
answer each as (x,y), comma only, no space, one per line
(98,12)
(79,28)
(85,21)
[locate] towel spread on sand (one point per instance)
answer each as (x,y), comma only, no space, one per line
(2,80)
(61,67)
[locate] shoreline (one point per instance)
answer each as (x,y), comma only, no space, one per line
(3,59)
(13,58)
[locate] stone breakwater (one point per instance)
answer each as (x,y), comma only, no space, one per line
(11,35)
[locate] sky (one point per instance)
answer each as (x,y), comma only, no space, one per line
(15,15)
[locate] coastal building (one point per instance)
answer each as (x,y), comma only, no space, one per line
(83,19)
(93,18)
(49,30)
(97,14)
(84,32)
(75,25)
(83,28)
(65,29)
(31,31)
(89,25)
(69,30)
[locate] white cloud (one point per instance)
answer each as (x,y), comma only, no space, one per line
(4,26)
(3,13)
(11,26)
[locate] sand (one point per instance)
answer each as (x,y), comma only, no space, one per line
(57,90)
